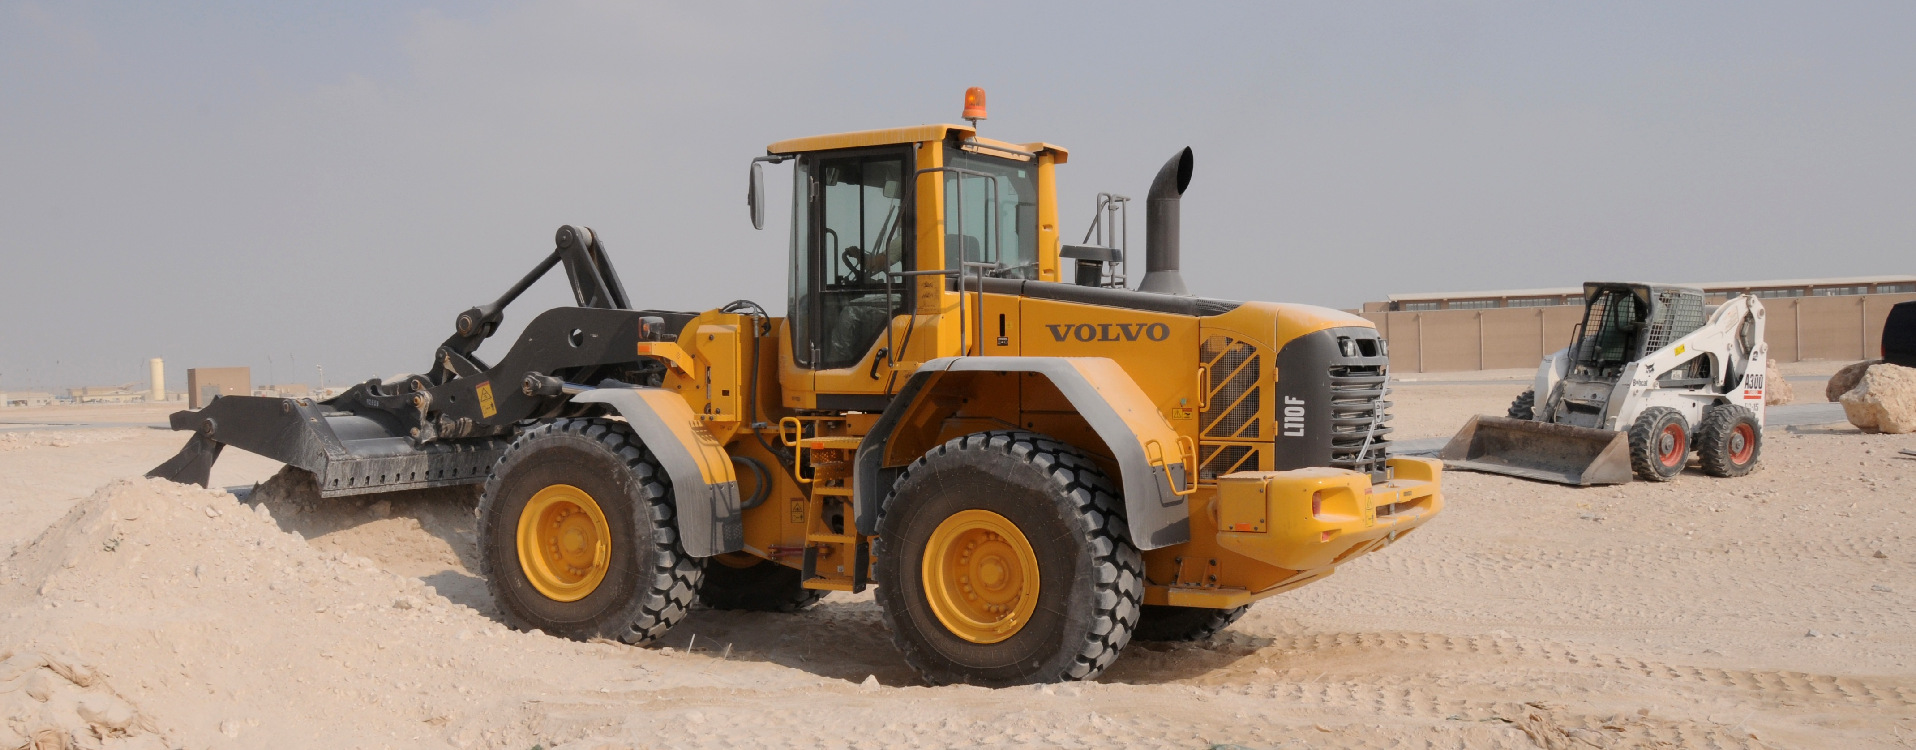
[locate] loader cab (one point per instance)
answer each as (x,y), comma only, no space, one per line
(883,224)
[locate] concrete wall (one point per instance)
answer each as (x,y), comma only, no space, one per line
(1799,328)
(205,383)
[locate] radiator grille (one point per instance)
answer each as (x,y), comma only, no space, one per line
(1359,415)
(1235,400)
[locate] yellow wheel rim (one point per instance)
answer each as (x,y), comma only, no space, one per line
(981,576)
(565,544)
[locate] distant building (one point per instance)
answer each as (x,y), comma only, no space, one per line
(286,390)
(1573,295)
(203,384)
(108,394)
(26,398)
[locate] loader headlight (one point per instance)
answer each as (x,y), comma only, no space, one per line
(1347,347)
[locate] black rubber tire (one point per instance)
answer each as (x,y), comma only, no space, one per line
(1718,441)
(1169,624)
(1524,406)
(1091,576)
(651,582)
(765,587)
(1647,454)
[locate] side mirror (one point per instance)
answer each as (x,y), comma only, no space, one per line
(755,196)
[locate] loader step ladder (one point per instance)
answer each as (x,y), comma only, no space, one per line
(837,557)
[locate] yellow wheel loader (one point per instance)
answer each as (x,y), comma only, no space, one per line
(1031,463)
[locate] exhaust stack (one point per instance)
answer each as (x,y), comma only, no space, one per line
(1161,227)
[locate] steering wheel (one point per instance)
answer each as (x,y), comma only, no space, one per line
(853,260)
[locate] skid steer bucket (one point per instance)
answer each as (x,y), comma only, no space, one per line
(349,454)
(1540,450)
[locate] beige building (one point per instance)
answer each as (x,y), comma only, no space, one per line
(1827,319)
(1717,292)
(26,398)
(109,394)
(203,384)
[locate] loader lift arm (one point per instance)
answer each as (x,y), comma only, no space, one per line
(444,428)
(594,284)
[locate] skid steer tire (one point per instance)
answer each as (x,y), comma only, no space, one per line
(1659,444)
(616,569)
(762,587)
(966,515)
(1524,406)
(1170,624)
(1729,442)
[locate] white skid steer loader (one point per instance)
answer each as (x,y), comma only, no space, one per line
(1650,375)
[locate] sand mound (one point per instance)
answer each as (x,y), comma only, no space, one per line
(424,534)
(203,612)
(145,567)
(53,701)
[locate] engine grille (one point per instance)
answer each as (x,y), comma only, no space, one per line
(1358,415)
(1236,395)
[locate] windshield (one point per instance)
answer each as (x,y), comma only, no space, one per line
(1003,231)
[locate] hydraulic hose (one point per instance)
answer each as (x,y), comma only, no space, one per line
(763,488)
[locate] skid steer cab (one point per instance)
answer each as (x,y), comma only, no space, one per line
(1031,461)
(1651,376)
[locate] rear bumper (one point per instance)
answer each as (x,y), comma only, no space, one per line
(1311,520)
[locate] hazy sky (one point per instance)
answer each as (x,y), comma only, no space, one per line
(260,184)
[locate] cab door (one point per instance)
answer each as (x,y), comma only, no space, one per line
(851,228)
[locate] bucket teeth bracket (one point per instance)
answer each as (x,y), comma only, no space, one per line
(348,453)
(193,464)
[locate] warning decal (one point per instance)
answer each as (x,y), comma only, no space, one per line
(484,389)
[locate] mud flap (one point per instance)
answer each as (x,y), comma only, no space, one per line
(1543,451)
(704,487)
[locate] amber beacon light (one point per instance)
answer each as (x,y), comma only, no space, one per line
(974,105)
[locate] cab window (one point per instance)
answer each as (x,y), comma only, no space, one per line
(991,212)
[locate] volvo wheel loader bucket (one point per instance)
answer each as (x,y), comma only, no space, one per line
(349,454)
(1540,450)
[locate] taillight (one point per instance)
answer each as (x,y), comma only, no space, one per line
(1317,504)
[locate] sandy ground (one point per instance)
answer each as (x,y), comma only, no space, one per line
(1774,610)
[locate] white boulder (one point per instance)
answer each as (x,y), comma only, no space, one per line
(1884,401)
